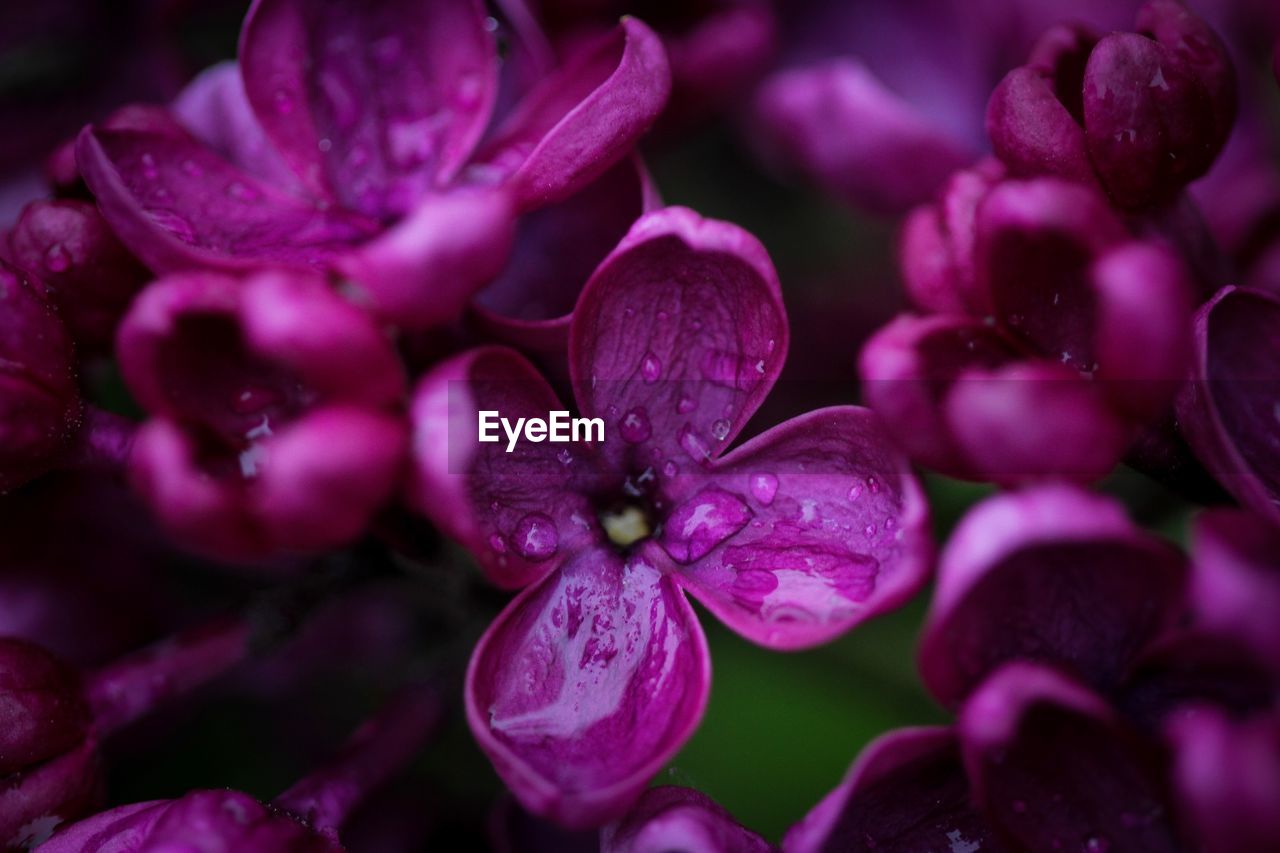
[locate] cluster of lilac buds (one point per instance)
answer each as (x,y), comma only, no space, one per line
(375,329)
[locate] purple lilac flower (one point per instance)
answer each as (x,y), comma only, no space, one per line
(907,792)
(88,275)
(1140,114)
(878,102)
(1234,585)
(671,818)
(1227,776)
(39,402)
(1230,409)
(397,192)
(1046,303)
(52,719)
(273,402)
(1077,583)
(791,539)
(304,819)
(1051,765)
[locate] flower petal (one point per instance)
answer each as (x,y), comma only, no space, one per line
(177,205)
(122,829)
(34,802)
(587,684)
(582,119)
(803,532)
(376,103)
(1051,574)
(1032,132)
(325,476)
(1227,778)
(907,369)
(1234,587)
(519,513)
(423,270)
(678,337)
(1050,766)
(844,129)
(1228,411)
(671,818)
(216,110)
(906,792)
(556,250)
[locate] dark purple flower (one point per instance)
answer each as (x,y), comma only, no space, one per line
(791,539)
(671,818)
(1053,575)
(1227,777)
(906,792)
(43,712)
(1141,114)
(394,191)
(89,276)
(304,819)
(1052,767)
(1048,304)
(1230,409)
(1234,586)
(878,102)
(273,403)
(39,401)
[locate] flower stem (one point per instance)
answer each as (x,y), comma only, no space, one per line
(381,747)
(123,691)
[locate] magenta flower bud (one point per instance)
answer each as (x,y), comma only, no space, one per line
(1054,575)
(1234,587)
(906,791)
(791,539)
(43,712)
(90,277)
(47,749)
(396,192)
(1050,766)
(1228,412)
(1140,113)
(39,400)
(274,401)
(671,818)
(209,821)
(1227,778)
(935,252)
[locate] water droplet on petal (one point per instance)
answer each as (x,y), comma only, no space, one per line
(764,486)
(535,537)
(855,492)
(564,456)
(693,444)
(635,426)
(650,368)
(174,224)
(56,258)
(873,485)
(720,429)
(698,525)
(498,544)
(869,530)
(685,405)
(670,469)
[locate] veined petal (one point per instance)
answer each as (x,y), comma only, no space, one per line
(678,337)
(377,102)
(582,119)
(587,684)
(803,532)
(1052,574)
(519,513)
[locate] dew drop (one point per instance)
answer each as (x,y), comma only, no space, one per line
(873,485)
(685,405)
(869,530)
(498,544)
(855,492)
(325,145)
(720,429)
(650,368)
(535,537)
(56,258)
(670,469)
(635,426)
(564,456)
(693,445)
(763,486)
